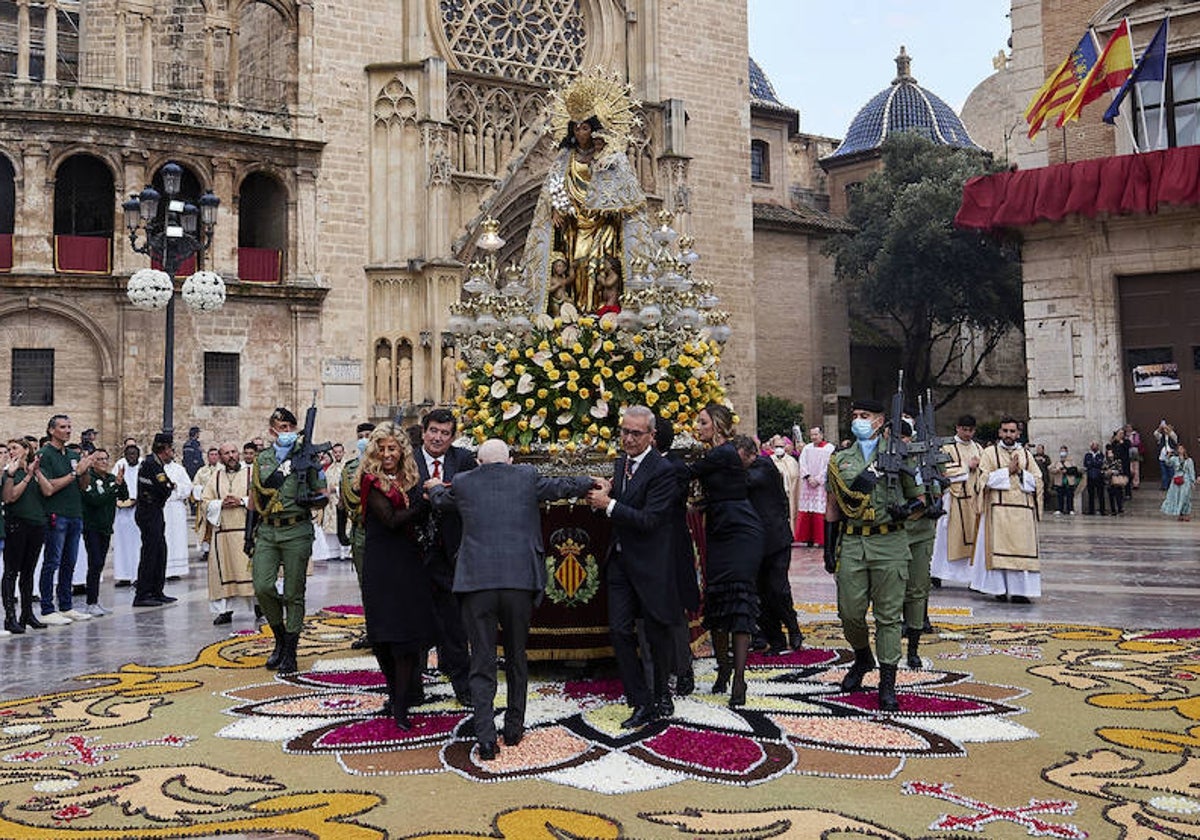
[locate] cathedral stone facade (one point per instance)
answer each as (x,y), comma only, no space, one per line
(355,149)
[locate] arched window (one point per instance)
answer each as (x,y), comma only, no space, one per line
(262,229)
(266,61)
(84,201)
(760,162)
(8,212)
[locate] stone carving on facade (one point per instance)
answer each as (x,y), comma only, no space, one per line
(404,375)
(449,376)
(547,39)
(490,123)
(437,151)
(383,376)
(395,103)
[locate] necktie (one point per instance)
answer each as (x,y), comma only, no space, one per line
(628,471)
(437,468)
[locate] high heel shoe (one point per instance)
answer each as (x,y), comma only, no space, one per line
(737,697)
(724,672)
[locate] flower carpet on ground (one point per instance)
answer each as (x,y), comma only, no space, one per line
(1007,731)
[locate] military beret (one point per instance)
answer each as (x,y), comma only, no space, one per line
(873,406)
(282,415)
(164,439)
(364,427)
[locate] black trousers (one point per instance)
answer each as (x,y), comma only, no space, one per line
(775,596)
(152,567)
(96,543)
(625,607)
(1095,496)
(22,543)
(453,659)
(482,613)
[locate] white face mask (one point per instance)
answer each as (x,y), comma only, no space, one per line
(1062,453)
(778,451)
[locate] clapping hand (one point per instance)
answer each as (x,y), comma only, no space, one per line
(598,497)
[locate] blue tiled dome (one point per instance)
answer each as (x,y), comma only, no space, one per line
(903,106)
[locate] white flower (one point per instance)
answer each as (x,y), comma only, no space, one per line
(541,357)
(654,375)
(500,368)
(512,411)
(525,383)
(499,390)
(149,288)
(543,322)
(536,421)
(204,290)
(599,410)
(568,313)
(565,418)
(569,335)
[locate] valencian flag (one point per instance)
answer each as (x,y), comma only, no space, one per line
(1110,71)
(1062,84)
(1152,67)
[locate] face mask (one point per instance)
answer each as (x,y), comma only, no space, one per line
(778,451)
(862,429)
(1062,453)
(362,446)
(286,439)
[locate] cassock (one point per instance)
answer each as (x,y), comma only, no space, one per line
(790,471)
(1006,546)
(199,482)
(810,516)
(127,536)
(228,565)
(954,544)
(175,516)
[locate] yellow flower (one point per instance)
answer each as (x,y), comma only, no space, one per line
(553,375)
(528,352)
(500,348)
(683,399)
(523,425)
(638,356)
(651,398)
(606,372)
(514,355)
(663,385)
(587,322)
(461,401)
(529,402)
(552,448)
(577,348)
(573,375)
(583,392)
(543,433)
(608,346)
(570,447)
(542,393)
(565,358)
(630,370)
(460,365)
(680,387)
(572,386)
(490,422)
(671,407)
(585,362)
(564,434)
(641,386)
(483,390)
(664,362)
(629,386)
(544,345)
(637,339)
(606,432)
(487,368)
(542,412)
(597,379)
(519,369)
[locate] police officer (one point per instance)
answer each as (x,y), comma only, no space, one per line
(154,488)
(871,563)
(283,535)
(352,504)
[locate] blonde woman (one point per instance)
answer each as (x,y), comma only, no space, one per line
(734,540)
(397,592)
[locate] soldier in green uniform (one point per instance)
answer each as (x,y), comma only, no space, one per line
(352,504)
(283,536)
(921,531)
(872,559)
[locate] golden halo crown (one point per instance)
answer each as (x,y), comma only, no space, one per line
(598,92)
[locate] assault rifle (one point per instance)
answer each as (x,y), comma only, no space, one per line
(892,460)
(927,447)
(306,459)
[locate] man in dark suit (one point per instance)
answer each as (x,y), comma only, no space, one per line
(438,459)
(501,572)
(641,568)
(764,488)
(154,488)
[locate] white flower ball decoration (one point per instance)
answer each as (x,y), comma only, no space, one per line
(204,290)
(149,288)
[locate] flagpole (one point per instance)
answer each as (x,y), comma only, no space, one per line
(1162,96)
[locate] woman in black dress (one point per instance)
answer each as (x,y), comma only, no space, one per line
(734,538)
(397,592)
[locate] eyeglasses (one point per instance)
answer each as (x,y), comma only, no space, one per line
(633,432)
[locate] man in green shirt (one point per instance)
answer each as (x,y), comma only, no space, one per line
(64,475)
(99,510)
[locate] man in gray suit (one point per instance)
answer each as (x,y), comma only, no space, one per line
(500,575)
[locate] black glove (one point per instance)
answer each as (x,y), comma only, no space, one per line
(833,531)
(864,482)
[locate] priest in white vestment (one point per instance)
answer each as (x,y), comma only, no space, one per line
(127,537)
(223,503)
(813,466)
(954,545)
(175,517)
(1006,546)
(789,469)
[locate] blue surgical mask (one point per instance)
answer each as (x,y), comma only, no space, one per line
(286,439)
(862,429)
(362,446)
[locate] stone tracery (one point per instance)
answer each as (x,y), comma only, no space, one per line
(534,41)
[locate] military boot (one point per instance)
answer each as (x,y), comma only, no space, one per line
(287,660)
(914,644)
(280,633)
(887,689)
(864,663)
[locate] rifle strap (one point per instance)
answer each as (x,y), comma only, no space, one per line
(267,499)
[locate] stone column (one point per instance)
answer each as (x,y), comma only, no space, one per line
(303,258)
(231,71)
(134,176)
(222,253)
(22,40)
(305,59)
(121,53)
(50,62)
(147,69)
(34,222)
(208,88)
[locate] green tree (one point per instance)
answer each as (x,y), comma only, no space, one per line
(777,415)
(949,296)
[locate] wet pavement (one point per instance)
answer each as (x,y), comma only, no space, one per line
(1140,570)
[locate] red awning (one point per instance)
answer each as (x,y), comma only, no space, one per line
(259,265)
(82,254)
(6,252)
(1125,184)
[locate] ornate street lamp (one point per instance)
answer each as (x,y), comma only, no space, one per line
(182,231)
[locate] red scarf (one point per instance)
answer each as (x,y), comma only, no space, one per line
(397,497)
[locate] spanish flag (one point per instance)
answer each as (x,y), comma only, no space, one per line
(1062,84)
(1108,73)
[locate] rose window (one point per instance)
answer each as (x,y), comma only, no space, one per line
(531,40)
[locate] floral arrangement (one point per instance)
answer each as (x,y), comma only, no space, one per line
(204,290)
(149,288)
(559,388)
